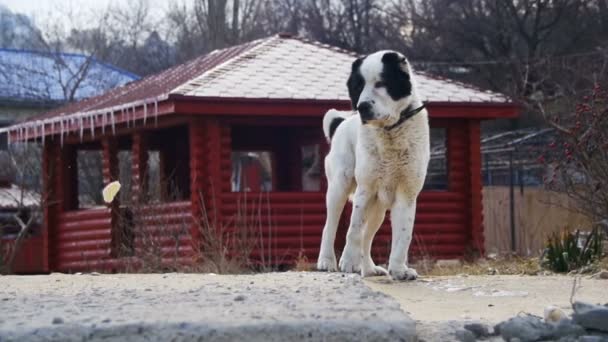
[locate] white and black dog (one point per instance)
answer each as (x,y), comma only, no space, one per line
(380,155)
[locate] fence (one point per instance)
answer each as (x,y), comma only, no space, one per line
(537,213)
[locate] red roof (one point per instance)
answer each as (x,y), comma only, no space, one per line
(278,69)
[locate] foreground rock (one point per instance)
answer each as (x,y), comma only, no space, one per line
(178,307)
(588,323)
(591,316)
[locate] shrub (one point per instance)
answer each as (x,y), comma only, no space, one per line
(565,252)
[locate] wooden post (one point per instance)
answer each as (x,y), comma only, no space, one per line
(198,174)
(110,173)
(139,167)
(476,185)
(49,202)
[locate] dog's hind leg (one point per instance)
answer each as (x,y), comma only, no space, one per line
(337,195)
(375,218)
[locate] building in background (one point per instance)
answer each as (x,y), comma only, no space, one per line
(233,139)
(33,82)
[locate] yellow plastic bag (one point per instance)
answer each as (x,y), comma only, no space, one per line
(110,191)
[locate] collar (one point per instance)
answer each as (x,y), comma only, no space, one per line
(405,114)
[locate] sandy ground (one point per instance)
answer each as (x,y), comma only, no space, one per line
(489,299)
(443,305)
(185,307)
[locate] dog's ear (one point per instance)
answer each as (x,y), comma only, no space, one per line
(396,59)
(355,82)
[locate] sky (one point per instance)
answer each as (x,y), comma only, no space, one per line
(41,10)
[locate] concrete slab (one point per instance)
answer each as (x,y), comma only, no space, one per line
(183,307)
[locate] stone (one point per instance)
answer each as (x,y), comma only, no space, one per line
(478,329)
(603,274)
(525,328)
(553,314)
(567,328)
(592,338)
(57,320)
(464,335)
(591,316)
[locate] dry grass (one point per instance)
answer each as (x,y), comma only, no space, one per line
(303,265)
(506,265)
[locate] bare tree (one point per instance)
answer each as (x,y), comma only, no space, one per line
(21,167)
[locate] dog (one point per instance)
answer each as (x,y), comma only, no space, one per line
(379,159)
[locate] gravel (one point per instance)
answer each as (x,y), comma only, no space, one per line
(290,306)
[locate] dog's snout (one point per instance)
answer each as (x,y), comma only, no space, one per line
(365,111)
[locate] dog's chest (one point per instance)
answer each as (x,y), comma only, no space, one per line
(394,168)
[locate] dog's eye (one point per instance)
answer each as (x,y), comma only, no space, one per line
(380,84)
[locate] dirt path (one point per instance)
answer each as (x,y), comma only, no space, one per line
(489,299)
(184,307)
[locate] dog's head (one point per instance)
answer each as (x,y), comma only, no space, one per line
(380,87)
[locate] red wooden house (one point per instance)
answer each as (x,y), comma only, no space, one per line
(238,133)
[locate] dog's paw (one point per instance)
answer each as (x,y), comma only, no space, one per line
(403,273)
(327,263)
(350,262)
(373,270)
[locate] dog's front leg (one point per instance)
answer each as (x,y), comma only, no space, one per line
(402,221)
(350,261)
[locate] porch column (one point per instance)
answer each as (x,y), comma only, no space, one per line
(205,176)
(197,177)
(49,202)
(475,185)
(110,173)
(110,160)
(139,163)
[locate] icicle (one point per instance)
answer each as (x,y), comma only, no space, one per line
(26,132)
(145,112)
(61,128)
(81,124)
(8,137)
(114,122)
(43,133)
(155,111)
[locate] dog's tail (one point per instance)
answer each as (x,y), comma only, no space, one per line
(332,119)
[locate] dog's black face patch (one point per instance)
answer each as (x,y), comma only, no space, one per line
(396,80)
(355,82)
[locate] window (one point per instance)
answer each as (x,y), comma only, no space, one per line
(3,141)
(276,158)
(90,177)
(311,167)
(437,174)
(252,171)
(167,172)
(152,177)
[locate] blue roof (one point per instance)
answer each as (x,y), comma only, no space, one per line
(34,76)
